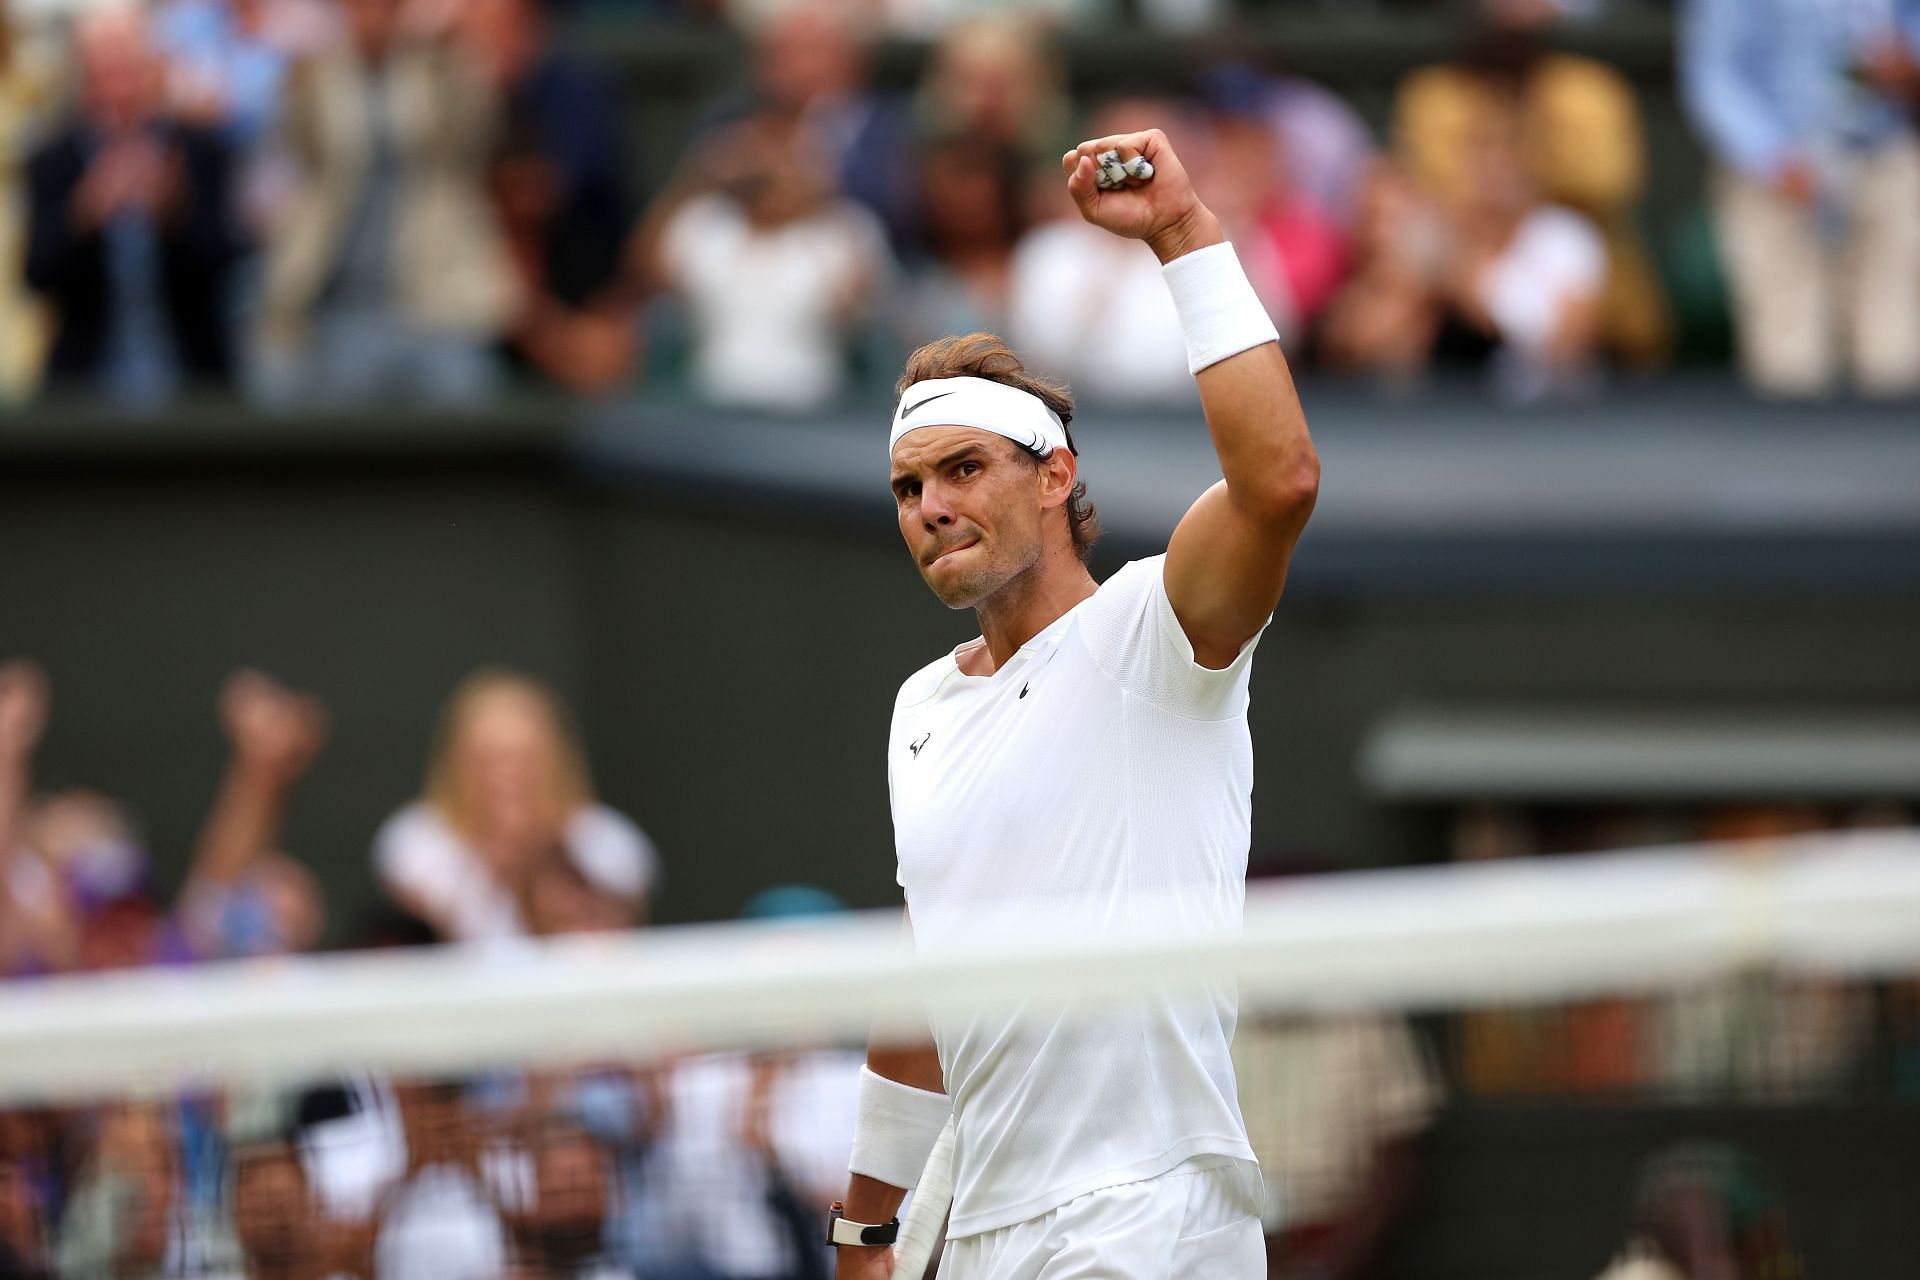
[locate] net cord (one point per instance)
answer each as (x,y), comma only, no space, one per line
(1534,930)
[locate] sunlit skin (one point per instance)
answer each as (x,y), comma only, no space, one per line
(986,523)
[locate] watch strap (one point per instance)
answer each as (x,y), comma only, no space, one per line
(843,1231)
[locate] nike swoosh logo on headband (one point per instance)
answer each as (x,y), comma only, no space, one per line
(907,413)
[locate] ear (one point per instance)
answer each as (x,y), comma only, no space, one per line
(1058,471)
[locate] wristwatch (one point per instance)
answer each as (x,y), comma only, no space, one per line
(841,1231)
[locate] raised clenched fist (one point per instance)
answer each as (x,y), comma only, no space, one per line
(1162,209)
(272,729)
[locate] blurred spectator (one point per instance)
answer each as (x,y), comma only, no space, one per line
(749,1147)
(130,236)
(280,1225)
(1756,1035)
(506,794)
(778,272)
(73,879)
(132,1215)
(560,199)
(998,83)
(1704,1211)
(1325,149)
(23,1230)
(443,1220)
(972,211)
(1091,307)
(1581,142)
(1525,276)
(564,1235)
(811,62)
(1339,1107)
(29,71)
(1293,253)
(1809,109)
(228,59)
(1386,318)
(76,879)
(386,275)
(242,896)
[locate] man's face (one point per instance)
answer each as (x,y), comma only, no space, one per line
(119,68)
(971,507)
(270,1208)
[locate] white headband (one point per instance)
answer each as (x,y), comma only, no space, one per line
(1020,416)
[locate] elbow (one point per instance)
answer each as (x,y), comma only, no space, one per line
(1291,490)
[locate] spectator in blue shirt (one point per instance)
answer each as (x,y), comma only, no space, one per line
(1809,108)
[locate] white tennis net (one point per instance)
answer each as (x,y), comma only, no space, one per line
(1533,931)
(1503,1069)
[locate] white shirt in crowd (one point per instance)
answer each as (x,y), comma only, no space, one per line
(441,1224)
(420,857)
(1556,257)
(1322,1095)
(1101,778)
(768,303)
(711,1190)
(1092,308)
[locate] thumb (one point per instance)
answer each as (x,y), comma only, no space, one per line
(1082,183)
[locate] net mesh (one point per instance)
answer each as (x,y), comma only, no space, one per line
(1564,1066)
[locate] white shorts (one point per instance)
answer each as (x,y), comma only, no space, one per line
(1198,1222)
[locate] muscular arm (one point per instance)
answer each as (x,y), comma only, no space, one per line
(1228,558)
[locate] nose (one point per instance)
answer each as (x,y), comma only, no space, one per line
(935,511)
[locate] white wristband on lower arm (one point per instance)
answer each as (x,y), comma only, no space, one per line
(895,1130)
(1220,314)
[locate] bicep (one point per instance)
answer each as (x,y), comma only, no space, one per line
(1225,571)
(1228,558)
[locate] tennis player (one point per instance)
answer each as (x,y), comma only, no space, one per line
(1088,755)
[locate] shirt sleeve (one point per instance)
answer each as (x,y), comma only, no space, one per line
(611,852)
(416,856)
(693,244)
(1135,637)
(1722,85)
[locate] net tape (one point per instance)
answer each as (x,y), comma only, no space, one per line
(1536,930)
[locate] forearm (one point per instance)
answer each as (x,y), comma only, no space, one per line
(1253,411)
(869,1198)
(243,824)
(16,782)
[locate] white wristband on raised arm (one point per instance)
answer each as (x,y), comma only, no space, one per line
(1220,314)
(895,1129)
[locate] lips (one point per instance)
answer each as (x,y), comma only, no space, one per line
(961,546)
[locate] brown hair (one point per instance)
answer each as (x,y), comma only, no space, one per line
(983,355)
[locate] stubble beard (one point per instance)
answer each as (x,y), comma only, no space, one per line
(982,581)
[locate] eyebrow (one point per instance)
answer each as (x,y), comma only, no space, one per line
(964,452)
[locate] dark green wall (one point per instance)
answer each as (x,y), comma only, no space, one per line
(733,665)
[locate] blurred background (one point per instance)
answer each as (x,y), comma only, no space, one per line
(441,499)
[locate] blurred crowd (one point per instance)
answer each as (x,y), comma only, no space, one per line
(687,1168)
(715,1166)
(313,201)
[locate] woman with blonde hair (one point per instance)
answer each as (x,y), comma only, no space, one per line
(507,798)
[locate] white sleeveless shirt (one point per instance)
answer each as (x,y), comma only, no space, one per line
(1104,777)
